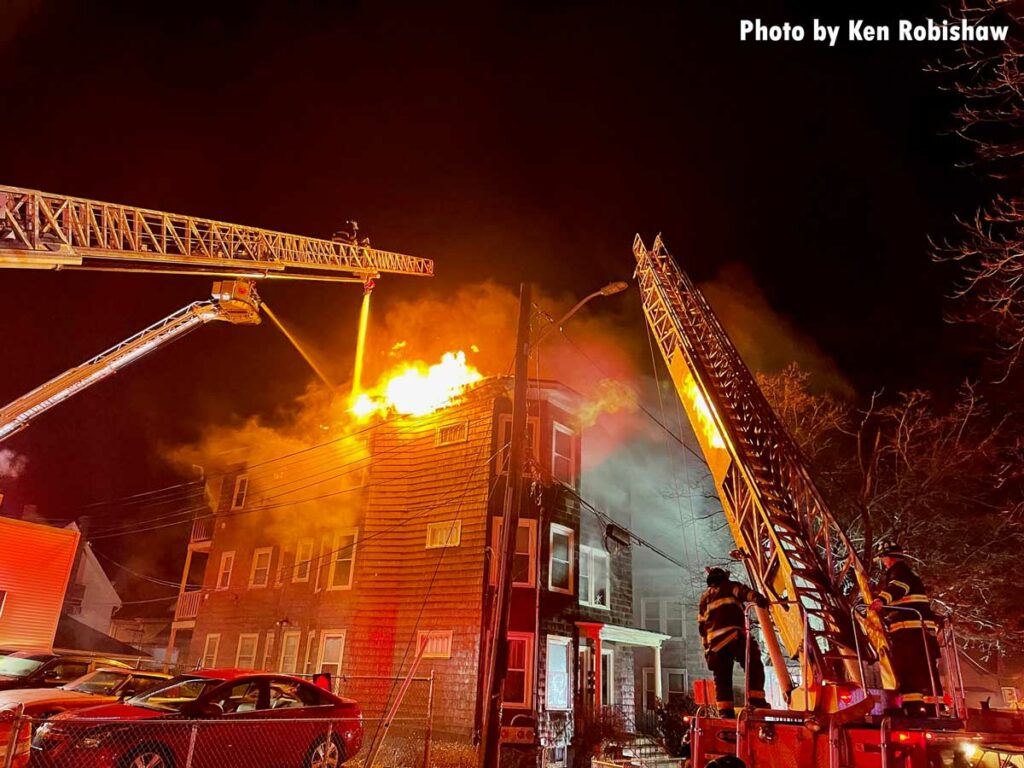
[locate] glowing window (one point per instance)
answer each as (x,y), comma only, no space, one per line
(559,670)
(595,586)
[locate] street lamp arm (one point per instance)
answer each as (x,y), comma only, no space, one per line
(609,290)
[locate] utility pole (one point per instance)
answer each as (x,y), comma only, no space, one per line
(494,679)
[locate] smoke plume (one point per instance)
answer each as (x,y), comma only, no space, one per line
(11,464)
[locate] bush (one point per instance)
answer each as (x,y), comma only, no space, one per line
(672,727)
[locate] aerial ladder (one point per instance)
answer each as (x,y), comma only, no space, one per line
(795,553)
(39,230)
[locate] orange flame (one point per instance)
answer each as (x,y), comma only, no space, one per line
(705,413)
(416,389)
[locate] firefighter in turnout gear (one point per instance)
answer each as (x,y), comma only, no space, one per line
(723,634)
(916,671)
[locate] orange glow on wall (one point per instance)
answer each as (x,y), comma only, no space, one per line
(35,563)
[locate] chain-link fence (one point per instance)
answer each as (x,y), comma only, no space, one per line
(387,735)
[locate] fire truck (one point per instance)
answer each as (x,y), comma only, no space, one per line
(830,654)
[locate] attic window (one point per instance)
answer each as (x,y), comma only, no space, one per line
(447,534)
(451,434)
(438,644)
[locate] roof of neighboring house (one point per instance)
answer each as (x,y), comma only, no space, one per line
(73,635)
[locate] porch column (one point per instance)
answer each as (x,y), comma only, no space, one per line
(597,671)
(657,671)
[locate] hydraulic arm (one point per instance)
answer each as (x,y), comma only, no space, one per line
(45,231)
(793,548)
(234,301)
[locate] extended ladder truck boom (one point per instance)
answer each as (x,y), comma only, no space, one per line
(796,554)
(234,301)
(40,230)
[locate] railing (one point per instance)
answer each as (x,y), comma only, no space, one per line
(188,605)
(202,529)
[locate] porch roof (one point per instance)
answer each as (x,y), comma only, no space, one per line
(616,634)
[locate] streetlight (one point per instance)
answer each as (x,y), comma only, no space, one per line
(609,290)
(494,676)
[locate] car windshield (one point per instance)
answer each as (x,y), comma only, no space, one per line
(178,692)
(102,682)
(19,665)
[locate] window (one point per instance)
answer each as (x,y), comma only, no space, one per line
(448,534)
(558,683)
(290,651)
(662,614)
(303,560)
(210,649)
(650,690)
(439,644)
(676,688)
(594,583)
(310,652)
(560,566)
(227,563)
(239,698)
(241,489)
(245,658)
(505,437)
(524,563)
(260,574)
(3,600)
(450,434)
(563,455)
(556,757)
(607,677)
(268,651)
(519,666)
(332,650)
(343,557)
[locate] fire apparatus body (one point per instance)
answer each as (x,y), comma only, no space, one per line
(798,556)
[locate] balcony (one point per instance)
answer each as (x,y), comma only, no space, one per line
(202,533)
(188,605)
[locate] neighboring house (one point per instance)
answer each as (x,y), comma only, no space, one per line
(92,599)
(146,626)
(346,555)
(35,565)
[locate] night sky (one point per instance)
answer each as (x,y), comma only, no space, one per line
(506,142)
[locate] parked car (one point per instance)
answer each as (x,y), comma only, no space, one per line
(98,687)
(213,718)
(28,669)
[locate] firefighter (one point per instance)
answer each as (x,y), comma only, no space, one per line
(915,670)
(723,634)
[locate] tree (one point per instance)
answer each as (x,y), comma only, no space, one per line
(990,251)
(944,481)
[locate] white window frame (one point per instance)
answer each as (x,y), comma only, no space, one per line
(301,559)
(269,552)
(335,551)
(442,433)
(588,599)
(648,688)
(227,558)
(527,702)
(268,650)
(207,654)
(255,638)
(609,679)
(565,531)
(503,450)
(444,535)
(326,635)
(433,634)
(241,485)
(666,689)
(531,525)
(663,603)
(281,666)
(555,429)
(565,644)
(311,654)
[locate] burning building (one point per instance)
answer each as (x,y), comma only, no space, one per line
(345,557)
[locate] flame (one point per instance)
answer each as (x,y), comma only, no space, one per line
(415,389)
(705,413)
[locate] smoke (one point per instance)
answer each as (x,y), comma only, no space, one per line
(12,464)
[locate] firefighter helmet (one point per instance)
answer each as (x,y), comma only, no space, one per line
(716,575)
(726,761)
(891,550)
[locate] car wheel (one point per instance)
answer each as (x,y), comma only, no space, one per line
(326,753)
(148,757)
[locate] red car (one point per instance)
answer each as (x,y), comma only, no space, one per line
(211,718)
